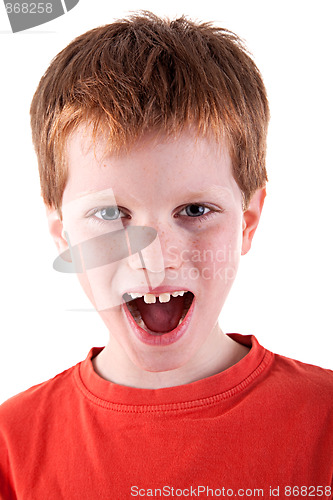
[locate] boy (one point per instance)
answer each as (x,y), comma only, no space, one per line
(150,137)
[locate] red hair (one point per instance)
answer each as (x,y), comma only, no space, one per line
(144,73)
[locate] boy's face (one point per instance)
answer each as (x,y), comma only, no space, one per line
(185,191)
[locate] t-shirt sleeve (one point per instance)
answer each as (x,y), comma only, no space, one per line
(6,484)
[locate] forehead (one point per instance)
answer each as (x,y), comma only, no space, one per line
(157,165)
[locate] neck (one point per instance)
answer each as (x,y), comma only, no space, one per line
(219,353)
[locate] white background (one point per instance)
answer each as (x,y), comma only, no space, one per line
(283,292)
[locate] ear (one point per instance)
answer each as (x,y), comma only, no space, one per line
(251,217)
(56,229)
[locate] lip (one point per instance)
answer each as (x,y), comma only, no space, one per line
(162,339)
(159,289)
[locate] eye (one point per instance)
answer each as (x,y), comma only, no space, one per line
(109,213)
(194,210)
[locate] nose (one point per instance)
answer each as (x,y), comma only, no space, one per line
(160,255)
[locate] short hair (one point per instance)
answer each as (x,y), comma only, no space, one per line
(145,73)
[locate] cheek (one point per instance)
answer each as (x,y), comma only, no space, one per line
(98,285)
(98,255)
(85,285)
(214,258)
(100,282)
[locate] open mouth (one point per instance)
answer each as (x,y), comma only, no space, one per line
(159,314)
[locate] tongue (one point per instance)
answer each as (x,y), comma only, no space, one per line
(161,317)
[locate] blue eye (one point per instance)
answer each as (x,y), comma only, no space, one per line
(108,213)
(194,210)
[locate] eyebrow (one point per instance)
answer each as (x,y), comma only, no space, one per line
(95,195)
(220,192)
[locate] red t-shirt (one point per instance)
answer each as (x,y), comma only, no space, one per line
(262,428)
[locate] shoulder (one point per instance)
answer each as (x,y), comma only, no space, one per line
(26,408)
(303,383)
(304,372)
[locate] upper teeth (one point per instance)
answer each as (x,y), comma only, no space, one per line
(150,298)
